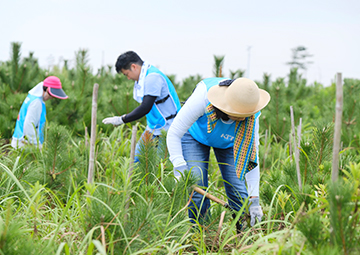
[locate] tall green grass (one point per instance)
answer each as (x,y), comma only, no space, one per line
(146,213)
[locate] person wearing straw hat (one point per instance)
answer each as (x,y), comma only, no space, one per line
(30,123)
(221,114)
(154,91)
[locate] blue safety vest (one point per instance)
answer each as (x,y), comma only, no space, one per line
(223,135)
(155,119)
(19,127)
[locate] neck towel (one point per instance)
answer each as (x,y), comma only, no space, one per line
(244,144)
(139,85)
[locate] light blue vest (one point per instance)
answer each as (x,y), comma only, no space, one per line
(223,135)
(155,119)
(19,127)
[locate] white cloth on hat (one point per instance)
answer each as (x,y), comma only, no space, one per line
(139,85)
(37,90)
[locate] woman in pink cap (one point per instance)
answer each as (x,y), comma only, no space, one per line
(32,116)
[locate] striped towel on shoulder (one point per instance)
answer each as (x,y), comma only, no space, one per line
(244,144)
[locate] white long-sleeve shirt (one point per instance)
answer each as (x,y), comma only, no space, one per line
(31,125)
(32,120)
(194,108)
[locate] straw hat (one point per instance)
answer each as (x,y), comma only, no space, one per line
(242,98)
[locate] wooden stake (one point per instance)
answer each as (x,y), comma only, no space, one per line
(337,128)
(93,134)
(296,149)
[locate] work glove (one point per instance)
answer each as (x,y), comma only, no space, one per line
(255,210)
(179,169)
(116,121)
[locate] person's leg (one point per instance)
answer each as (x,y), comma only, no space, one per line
(235,189)
(197,157)
(137,150)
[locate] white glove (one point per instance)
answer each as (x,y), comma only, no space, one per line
(255,210)
(116,121)
(179,169)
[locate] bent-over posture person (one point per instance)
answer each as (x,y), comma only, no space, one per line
(30,123)
(153,90)
(221,114)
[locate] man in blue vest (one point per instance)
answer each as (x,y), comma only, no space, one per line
(29,127)
(221,114)
(153,90)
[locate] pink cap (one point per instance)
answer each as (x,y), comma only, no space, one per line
(55,88)
(52,82)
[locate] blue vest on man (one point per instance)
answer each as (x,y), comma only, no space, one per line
(155,119)
(223,135)
(19,127)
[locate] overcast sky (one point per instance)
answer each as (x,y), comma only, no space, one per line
(181,37)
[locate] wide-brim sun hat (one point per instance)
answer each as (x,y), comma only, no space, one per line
(55,88)
(242,98)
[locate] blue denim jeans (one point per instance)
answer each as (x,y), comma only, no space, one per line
(197,157)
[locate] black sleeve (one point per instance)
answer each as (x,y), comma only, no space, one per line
(141,110)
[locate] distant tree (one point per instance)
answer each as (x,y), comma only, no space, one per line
(236,74)
(187,87)
(266,81)
(20,75)
(300,57)
(218,65)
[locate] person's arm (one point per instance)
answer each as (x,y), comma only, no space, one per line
(153,84)
(253,177)
(253,182)
(141,110)
(32,120)
(193,109)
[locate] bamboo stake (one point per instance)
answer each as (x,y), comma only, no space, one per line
(296,149)
(132,151)
(337,128)
(93,133)
(131,167)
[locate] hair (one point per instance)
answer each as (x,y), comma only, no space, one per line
(45,88)
(125,60)
(220,114)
